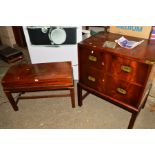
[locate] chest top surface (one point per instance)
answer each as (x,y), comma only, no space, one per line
(143,52)
(38,73)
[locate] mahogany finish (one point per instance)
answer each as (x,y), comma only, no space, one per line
(38,77)
(120,76)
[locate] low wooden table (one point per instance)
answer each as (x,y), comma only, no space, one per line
(38,77)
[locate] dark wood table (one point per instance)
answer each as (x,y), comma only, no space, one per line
(38,77)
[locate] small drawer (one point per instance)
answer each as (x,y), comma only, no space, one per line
(123,91)
(92,78)
(93,58)
(128,70)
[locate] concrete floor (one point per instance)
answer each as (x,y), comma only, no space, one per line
(56,113)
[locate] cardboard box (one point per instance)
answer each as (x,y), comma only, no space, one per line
(152,36)
(135,31)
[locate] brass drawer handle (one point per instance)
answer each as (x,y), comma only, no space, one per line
(92,58)
(121,91)
(91,78)
(150,62)
(127,69)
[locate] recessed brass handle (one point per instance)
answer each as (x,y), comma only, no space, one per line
(125,68)
(150,62)
(91,78)
(121,91)
(92,58)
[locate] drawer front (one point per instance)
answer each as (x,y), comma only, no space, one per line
(123,91)
(128,70)
(93,58)
(92,78)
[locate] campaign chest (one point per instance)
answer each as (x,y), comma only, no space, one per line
(118,75)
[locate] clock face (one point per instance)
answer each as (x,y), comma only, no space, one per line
(58,36)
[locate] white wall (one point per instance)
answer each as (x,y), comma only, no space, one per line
(41,54)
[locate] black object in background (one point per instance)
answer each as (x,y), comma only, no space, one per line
(37,37)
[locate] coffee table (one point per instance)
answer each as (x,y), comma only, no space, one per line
(24,78)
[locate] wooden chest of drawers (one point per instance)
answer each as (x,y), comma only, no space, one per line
(120,76)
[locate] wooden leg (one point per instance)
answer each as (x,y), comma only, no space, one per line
(12,101)
(72,97)
(79,93)
(132,120)
(146,97)
(145,101)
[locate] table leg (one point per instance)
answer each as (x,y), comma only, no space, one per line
(132,120)
(72,97)
(79,93)
(146,97)
(145,102)
(12,101)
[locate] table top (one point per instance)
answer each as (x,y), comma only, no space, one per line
(55,73)
(144,52)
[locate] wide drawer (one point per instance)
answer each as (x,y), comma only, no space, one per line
(93,58)
(92,78)
(128,70)
(123,91)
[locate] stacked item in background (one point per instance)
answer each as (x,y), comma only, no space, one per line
(152,36)
(10,55)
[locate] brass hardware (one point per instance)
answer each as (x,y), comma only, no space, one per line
(150,62)
(36,80)
(127,69)
(91,78)
(92,51)
(121,91)
(92,58)
(102,63)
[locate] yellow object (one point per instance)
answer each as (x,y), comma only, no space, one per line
(121,91)
(92,58)
(126,68)
(91,78)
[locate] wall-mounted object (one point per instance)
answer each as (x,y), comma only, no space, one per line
(134,31)
(51,35)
